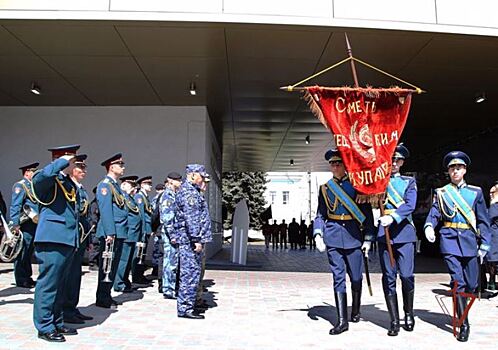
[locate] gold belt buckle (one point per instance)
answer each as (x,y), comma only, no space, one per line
(342,216)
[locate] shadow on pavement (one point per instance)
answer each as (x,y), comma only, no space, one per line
(208,296)
(6,271)
(100,315)
(7,292)
(21,301)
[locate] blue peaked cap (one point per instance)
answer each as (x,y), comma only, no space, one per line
(456,157)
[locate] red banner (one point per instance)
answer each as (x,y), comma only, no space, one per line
(366,124)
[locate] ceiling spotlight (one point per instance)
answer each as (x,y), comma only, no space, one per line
(307,139)
(292,162)
(35,89)
(193,90)
(480,97)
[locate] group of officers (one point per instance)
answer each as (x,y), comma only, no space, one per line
(297,234)
(60,235)
(345,230)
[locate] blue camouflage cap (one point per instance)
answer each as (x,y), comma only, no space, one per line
(196,168)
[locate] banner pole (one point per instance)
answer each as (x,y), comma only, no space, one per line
(353,67)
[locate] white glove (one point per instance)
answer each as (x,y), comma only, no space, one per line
(319,243)
(430,234)
(386,220)
(481,253)
(366,247)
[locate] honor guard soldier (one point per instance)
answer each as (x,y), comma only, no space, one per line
(464,234)
(122,282)
(143,202)
(112,228)
(167,216)
(188,232)
(23,201)
(56,240)
(400,204)
(73,282)
(338,228)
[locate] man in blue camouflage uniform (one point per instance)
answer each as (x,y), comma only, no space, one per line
(22,194)
(400,204)
(143,202)
(207,236)
(170,246)
(112,228)
(465,231)
(56,241)
(338,228)
(158,252)
(73,281)
(188,233)
(122,282)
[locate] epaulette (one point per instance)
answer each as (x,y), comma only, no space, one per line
(406,177)
(106,180)
(474,187)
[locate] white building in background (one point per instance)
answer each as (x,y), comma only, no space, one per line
(294,194)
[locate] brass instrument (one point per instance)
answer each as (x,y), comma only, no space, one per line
(11,242)
(140,252)
(107,257)
(84,235)
(28,213)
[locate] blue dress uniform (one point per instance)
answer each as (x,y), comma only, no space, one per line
(400,203)
(73,281)
(340,221)
(145,207)
(113,221)
(56,241)
(22,195)
(187,232)
(465,229)
(122,282)
(170,257)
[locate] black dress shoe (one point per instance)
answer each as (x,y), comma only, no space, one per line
(53,336)
(67,331)
(84,317)
(104,305)
(166,296)
(73,320)
(192,315)
(26,284)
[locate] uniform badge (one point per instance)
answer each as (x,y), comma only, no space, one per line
(17,190)
(103,190)
(169,202)
(191,200)
(139,200)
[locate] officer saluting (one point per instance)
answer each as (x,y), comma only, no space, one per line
(73,282)
(338,228)
(400,204)
(462,211)
(112,226)
(57,238)
(122,282)
(22,195)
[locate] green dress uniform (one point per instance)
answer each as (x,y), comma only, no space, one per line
(56,241)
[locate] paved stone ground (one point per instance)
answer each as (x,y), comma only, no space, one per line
(284,301)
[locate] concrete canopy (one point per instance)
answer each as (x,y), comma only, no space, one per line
(237,69)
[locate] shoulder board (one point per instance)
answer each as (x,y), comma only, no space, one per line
(405,177)
(106,181)
(474,187)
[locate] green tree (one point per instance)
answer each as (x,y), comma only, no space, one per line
(244,185)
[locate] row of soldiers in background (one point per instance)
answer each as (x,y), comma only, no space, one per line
(59,233)
(298,235)
(345,230)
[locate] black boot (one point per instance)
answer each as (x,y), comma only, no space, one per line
(342,314)
(463,336)
(355,309)
(392,308)
(408,309)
